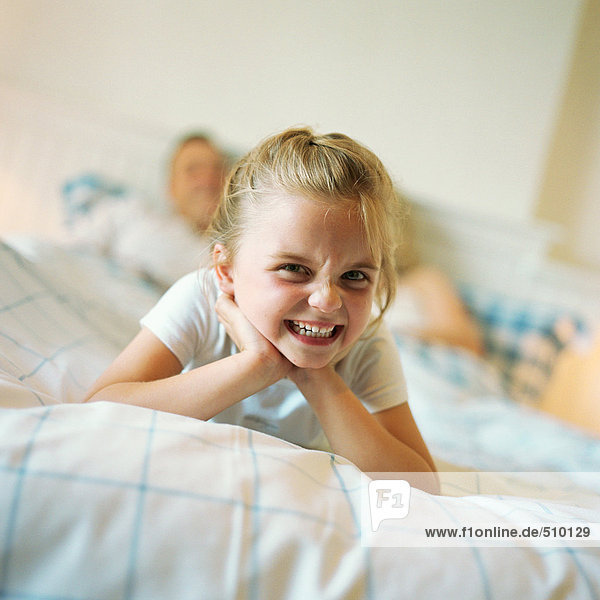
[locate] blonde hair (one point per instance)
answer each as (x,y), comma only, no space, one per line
(333,169)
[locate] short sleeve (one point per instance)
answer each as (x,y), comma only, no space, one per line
(185,321)
(373,371)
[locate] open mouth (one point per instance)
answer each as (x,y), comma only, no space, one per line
(313,331)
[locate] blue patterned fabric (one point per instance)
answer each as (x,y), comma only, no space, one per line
(521,338)
(82,193)
(115,501)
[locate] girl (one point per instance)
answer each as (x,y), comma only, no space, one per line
(281,335)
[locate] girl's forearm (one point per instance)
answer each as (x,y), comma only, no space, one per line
(355,434)
(200,393)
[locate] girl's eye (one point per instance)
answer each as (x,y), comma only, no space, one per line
(293,270)
(356,279)
(355,276)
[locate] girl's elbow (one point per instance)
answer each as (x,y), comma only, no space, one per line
(98,393)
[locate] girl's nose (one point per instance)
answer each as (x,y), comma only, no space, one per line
(325,298)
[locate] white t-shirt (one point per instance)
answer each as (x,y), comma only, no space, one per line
(185,321)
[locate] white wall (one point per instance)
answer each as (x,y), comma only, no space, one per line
(570,191)
(459,98)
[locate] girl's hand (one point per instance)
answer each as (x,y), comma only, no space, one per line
(248,339)
(303,377)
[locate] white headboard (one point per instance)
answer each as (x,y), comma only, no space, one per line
(509,257)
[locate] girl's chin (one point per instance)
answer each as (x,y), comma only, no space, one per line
(308,362)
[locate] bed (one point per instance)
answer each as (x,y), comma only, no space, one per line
(106,501)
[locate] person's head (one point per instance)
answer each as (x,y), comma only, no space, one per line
(305,237)
(196,179)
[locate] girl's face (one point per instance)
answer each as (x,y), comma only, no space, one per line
(305,278)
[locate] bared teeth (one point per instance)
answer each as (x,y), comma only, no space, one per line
(309,330)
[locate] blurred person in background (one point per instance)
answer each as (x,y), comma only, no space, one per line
(159,241)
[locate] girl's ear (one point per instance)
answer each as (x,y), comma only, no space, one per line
(223,269)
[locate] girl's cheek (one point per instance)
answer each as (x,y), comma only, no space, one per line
(361,306)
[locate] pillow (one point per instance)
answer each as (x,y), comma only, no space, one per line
(82,193)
